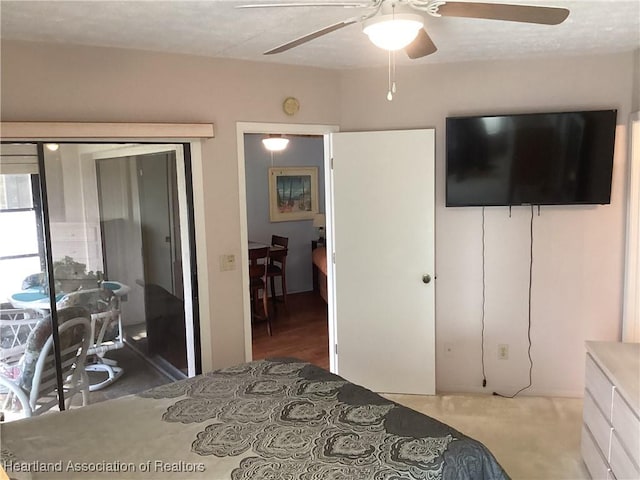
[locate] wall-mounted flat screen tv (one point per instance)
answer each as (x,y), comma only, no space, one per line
(538,159)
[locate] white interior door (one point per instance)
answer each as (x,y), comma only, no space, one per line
(383,240)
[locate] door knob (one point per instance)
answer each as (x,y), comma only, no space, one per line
(426,278)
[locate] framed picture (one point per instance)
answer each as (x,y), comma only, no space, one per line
(293,193)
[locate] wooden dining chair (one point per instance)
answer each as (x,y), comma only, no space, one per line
(278,265)
(258,264)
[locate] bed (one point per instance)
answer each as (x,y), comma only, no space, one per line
(270,419)
(319,259)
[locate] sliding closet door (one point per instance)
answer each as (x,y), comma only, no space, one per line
(76,221)
(120,217)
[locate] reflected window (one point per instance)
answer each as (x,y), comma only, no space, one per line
(20,245)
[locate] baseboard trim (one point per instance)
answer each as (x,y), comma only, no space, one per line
(507,391)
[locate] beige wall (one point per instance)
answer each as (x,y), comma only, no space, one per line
(578,257)
(635,100)
(68,83)
(578,264)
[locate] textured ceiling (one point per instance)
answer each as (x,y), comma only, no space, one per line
(215,28)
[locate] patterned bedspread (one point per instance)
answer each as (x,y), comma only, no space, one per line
(272,419)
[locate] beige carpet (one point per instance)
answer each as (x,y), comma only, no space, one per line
(532,437)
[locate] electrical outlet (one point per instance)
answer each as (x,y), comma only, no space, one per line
(227,262)
(503,351)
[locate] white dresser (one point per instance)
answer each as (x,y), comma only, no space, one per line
(611,416)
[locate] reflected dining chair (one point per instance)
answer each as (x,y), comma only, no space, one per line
(258,264)
(278,265)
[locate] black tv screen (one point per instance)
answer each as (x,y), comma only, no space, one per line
(538,159)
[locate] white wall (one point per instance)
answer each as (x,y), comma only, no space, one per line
(578,251)
(43,82)
(301,152)
(74,212)
(579,261)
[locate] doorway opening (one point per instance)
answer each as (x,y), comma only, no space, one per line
(294,179)
(380,239)
(296,311)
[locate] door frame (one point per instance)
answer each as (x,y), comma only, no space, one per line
(631,312)
(243,128)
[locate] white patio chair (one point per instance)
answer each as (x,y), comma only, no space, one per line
(103,342)
(15,326)
(34,390)
(106,330)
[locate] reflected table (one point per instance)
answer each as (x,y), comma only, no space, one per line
(38,299)
(119,289)
(33,298)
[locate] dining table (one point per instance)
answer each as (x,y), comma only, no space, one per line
(253,245)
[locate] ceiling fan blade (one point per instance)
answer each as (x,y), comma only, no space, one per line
(302,4)
(421,46)
(501,11)
(311,36)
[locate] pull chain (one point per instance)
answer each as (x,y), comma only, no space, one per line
(392,75)
(393,78)
(392,64)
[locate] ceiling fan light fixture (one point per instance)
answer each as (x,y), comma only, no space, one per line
(275,142)
(393,31)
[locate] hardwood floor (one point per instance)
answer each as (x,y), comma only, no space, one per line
(300,330)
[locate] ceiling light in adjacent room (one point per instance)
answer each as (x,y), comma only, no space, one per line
(393,32)
(275,142)
(52,146)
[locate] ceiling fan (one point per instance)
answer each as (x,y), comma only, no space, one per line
(397,24)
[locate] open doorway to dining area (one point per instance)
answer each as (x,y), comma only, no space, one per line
(285,205)
(99,263)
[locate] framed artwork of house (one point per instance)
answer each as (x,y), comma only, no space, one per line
(293,193)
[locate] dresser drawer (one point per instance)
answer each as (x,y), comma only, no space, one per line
(593,459)
(621,464)
(599,386)
(627,426)
(598,425)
